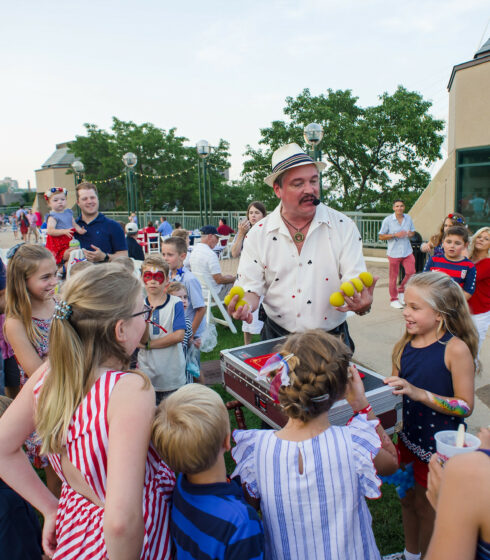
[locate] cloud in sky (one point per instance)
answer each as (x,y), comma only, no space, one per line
(212,70)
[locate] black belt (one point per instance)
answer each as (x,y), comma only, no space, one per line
(273,330)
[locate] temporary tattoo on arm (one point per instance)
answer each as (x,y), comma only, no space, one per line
(449,405)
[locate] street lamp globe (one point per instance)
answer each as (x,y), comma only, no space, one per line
(203,148)
(78,166)
(313,133)
(130,159)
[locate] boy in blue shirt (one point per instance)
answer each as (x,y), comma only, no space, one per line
(174,251)
(210,517)
(161,355)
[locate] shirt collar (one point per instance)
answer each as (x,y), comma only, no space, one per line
(99,218)
(393,216)
(275,222)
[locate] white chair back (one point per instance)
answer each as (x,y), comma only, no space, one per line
(212,299)
(153,243)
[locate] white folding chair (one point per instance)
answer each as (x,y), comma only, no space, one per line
(153,240)
(140,238)
(226,252)
(212,299)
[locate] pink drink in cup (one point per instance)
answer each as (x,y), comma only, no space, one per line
(446,444)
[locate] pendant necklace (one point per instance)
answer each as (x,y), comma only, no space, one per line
(299,236)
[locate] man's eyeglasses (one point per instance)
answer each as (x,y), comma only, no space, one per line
(147,311)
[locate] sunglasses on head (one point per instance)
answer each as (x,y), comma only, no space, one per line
(157,276)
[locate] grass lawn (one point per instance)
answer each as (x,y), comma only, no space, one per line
(386,513)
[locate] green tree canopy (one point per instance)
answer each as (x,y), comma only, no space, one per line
(373,154)
(166,172)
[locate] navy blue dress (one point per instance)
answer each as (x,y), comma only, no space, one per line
(425,368)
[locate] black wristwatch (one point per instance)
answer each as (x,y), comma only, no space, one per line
(106,258)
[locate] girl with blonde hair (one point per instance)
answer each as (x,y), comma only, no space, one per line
(479,253)
(434,370)
(29,306)
(94,418)
(310,478)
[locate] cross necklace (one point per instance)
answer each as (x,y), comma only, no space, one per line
(299,236)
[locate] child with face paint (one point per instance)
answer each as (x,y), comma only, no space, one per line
(161,355)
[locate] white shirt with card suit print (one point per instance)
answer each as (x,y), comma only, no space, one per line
(297,287)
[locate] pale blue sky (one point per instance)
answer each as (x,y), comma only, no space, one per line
(212,69)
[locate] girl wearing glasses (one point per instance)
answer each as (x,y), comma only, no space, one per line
(94,418)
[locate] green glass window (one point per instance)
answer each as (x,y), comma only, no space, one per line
(473,186)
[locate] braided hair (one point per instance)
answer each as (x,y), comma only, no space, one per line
(318,373)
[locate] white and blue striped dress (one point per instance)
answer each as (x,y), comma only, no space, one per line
(322,512)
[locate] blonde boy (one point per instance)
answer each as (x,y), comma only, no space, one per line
(161,355)
(174,250)
(192,432)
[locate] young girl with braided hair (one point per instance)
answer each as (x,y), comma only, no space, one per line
(434,367)
(94,418)
(310,477)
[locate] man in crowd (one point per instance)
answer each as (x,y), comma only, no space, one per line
(104,239)
(397,230)
(224,228)
(164,228)
(135,250)
(204,260)
(299,255)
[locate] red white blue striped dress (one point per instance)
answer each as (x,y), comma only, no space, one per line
(79,523)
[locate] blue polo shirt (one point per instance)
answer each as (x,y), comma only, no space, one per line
(104,233)
(398,248)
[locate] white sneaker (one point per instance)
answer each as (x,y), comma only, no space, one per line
(401,298)
(396,304)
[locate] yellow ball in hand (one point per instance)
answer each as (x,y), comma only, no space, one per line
(337,299)
(237,291)
(347,288)
(358,284)
(367,278)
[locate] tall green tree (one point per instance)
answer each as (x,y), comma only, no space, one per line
(166,172)
(373,154)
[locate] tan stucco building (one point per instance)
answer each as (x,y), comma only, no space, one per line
(462,184)
(53,173)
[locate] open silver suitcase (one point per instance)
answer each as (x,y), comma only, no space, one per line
(241,382)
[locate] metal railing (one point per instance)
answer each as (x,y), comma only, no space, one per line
(368,224)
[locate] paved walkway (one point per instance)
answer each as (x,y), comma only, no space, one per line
(376,333)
